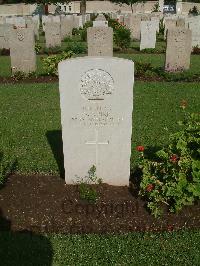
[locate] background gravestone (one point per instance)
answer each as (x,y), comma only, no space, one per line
(135,26)
(22,50)
(178,51)
(52,34)
(96,97)
(66,26)
(100,21)
(4,36)
(193,24)
(100,41)
(148,35)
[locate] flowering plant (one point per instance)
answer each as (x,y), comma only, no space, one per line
(173,178)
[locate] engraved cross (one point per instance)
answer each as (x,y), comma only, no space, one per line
(96,143)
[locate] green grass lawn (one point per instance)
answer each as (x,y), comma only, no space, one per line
(30,119)
(174,249)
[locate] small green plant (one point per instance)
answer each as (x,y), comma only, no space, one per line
(172,177)
(37,48)
(194,11)
(50,63)
(155,8)
(86,191)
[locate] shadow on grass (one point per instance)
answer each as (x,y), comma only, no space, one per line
(23,248)
(55,141)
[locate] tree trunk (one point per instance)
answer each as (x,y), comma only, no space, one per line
(46,9)
(83,7)
(131,7)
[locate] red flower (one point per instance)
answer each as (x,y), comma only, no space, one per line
(140,148)
(174,158)
(183,104)
(150,187)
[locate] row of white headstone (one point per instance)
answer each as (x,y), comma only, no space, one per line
(100,43)
(179,43)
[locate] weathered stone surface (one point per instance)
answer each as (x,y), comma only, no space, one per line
(148,35)
(52,34)
(96,97)
(100,41)
(67,24)
(135,27)
(178,51)
(4,36)
(22,50)
(170,24)
(193,23)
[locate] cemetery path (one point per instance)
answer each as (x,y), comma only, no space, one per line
(46,204)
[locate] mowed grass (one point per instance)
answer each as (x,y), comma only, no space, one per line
(30,120)
(156,60)
(180,248)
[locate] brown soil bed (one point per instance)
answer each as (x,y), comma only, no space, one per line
(46,204)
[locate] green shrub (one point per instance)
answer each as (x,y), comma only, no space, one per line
(76,47)
(141,68)
(161,27)
(75,31)
(172,178)
(83,31)
(68,39)
(50,63)
(38,48)
(196,50)
(52,50)
(122,35)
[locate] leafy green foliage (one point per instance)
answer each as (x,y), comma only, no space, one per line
(37,48)
(122,35)
(76,47)
(87,192)
(83,31)
(173,177)
(51,62)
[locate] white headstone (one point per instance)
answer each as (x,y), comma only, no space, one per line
(96,97)
(194,25)
(52,34)
(22,50)
(100,41)
(148,35)
(179,42)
